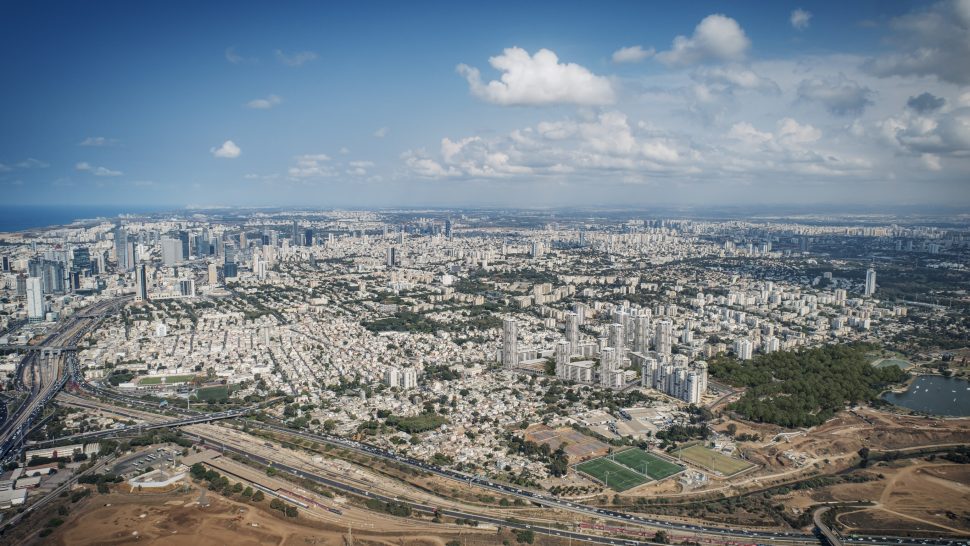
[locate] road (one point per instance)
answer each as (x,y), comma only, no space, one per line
(42,373)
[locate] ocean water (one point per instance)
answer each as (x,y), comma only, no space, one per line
(19,218)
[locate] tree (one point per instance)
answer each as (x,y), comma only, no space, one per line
(258,496)
(732,429)
(661,537)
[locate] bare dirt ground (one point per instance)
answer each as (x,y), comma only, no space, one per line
(178,519)
(907,496)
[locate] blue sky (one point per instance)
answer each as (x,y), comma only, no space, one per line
(515,104)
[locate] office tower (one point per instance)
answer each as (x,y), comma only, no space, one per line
(184,239)
(618,342)
(536,250)
(663,337)
(510,352)
(6,264)
(582,238)
(21,285)
(171,251)
(572,328)
(121,248)
(243,243)
(141,283)
(201,245)
(391,256)
(35,299)
(870,282)
(743,348)
(308,237)
(448,228)
(187,287)
(230,270)
(82,260)
(213,274)
(51,274)
(131,255)
(295,235)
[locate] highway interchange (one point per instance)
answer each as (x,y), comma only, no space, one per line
(50,374)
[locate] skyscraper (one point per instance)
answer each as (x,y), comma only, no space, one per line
(35,300)
(618,342)
(510,354)
(171,251)
(572,329)
(141,283)
(308,237)
(870,282)
(663,337)
(121,248)
(184,238)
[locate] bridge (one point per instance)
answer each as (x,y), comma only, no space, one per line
(43,349)
(139,429)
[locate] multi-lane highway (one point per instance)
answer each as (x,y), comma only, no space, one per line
(44,371)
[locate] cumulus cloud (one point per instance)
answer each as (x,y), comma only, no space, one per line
(265,104)
(382,132)
(840,96)
(537,80)
(732,77)
(632,54)
(931,41)
(31,163)
(228,150)
(925,103)
(312,166)
(84,166)
(800,19)
(945,134)
(98,142)
(296,59)
(716,38)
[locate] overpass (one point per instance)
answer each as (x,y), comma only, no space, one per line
(43,349)
(139,429)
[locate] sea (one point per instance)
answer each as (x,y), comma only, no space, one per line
(21,217)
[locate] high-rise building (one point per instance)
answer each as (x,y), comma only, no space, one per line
(141,283)
(391,256)
(308,237)
(82,261)
(171,251)
(121,248)
(663,338)
(510,349)
(448,228)
(618,342)
(562,358)
(641,333)
(184,239)
(572,328)
(213,274)
(187,287)
(21,285)
(295,235)
(743,348)
(870,282)
(230,270)
(5,264)
(35,299)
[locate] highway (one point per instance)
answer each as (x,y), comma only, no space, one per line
(46,371)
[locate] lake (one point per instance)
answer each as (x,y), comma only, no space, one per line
(935,395)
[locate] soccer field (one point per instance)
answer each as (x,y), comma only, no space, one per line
(618,477)
(712,460)
(636,459)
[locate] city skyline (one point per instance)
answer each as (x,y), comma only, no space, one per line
(431,105)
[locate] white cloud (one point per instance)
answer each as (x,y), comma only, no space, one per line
(537,80)
(382,132)
(717,37)
(793,132)
(295,59)
(84,166)
(228,150)
(800,19)
(31,163)
(945,134)
(98,142)
(265,104)
(632,54)
(840,96)
(232,56)
(312,166)
(344,150)
(931,41)
(5,168)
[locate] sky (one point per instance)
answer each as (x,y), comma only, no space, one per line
(519,104)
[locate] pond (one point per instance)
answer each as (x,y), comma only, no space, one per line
(934,394)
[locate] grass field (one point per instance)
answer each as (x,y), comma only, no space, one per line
(157,379)
(211,394)
(619,477)
(636,458)
(713,460)
(887,362)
